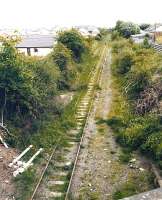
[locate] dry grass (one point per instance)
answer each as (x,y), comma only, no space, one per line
(159,39)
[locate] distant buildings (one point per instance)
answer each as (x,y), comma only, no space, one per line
(139,38)
(40,41)
(88,30)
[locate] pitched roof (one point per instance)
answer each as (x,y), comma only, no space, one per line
(37,41)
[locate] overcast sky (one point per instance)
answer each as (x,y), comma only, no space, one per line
(48,13)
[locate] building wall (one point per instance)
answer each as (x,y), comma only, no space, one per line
(40,52)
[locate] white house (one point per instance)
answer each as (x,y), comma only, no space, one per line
(36,45)
(139,38)
(88,30)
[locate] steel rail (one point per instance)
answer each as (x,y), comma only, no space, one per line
(83,135)
(79,147)
(44,170)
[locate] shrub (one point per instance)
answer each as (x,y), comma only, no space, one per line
(144,26)
(115,35)
(25,182)
(125,156)
(128,189)
(135,184)
(138,130)
(136,81)
(122,62)
(119,45)
(126,29)
(62,56)
(142,132)
(74,41)
(115,123)
(146,43)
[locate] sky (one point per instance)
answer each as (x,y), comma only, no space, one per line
(103,13)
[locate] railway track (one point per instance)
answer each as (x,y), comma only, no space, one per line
(56,177)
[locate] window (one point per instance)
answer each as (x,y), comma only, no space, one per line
(35,50)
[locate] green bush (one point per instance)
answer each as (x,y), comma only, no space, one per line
(138,130)
(139,64)
(74,41)
(62,56)
(144,26)
(115,35)
(119,45)
(125,156)
(136,81)
(135,184)
(126,29)
(153,145)
(116,123)
(25,182)
(128,189)
(146,43)
(122,62)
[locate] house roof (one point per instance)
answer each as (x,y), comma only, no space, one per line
(153,28)
(36,41)
(159,29)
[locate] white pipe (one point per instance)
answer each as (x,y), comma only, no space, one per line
(33,157)
(3,142)
(28,164)
(20,156)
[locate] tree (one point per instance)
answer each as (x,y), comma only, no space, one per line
(126,29)
(62,56)
(146,43)
(144,26)
(26,87)
(74,41)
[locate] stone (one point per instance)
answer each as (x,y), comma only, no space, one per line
(141,169)
(132,160)
(155,194)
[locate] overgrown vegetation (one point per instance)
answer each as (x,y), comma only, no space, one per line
(74,41)
(126,29)
(30,87)
(134,185)
(135,111)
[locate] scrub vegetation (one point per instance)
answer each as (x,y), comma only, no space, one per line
(30,87)
(135,115)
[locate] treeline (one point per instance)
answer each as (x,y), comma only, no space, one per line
(126,29)
(136,116)
(29,85)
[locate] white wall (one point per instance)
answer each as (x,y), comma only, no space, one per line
(41,51)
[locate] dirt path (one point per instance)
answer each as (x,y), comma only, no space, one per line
(99,171)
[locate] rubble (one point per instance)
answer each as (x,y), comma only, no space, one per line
(7,188)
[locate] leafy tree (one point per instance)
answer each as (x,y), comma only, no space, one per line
(14,80)
(144,26)
(62,57)
(74,41)
(27,83)
(126,29)
(146,43)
